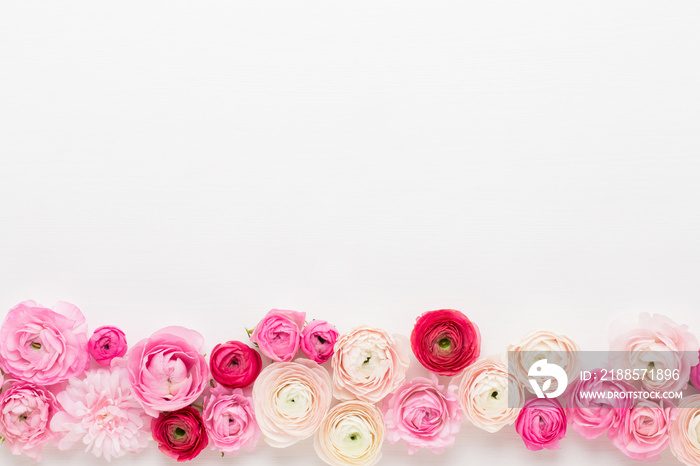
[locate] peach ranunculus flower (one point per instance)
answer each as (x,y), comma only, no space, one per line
(685,431)
(543,344)
(489,396)
(351,435)
(291,399)
(368,364)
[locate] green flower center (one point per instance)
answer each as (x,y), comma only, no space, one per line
(36,345)
(445,343)
(179,433)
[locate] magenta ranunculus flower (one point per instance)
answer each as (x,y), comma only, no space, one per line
(26,411)
(229,418)
(445,341)
(423,414)
(317,340)
(44,346)
(278,334)
(107,343)
(234,364)
(167,371)
(645,430)
(695,376)
(592,417)
(180,434)
(541,424)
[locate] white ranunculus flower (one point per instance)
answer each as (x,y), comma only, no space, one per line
(351,435)
(291,399)
(489,397)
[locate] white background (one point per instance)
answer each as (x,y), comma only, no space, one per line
(533,165)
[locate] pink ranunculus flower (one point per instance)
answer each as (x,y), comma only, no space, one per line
(44,346)
(229,418)
(541,424)
(26,411)
(100,411)
(107,343)
(645,430)
(167,371)
(656,344)
(180,434)
(592,417)
(318,339)
(278,334)
(368,364)
(695,376)
(424,414)
(234,364)
(685,431)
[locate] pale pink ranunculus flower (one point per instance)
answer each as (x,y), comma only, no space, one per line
(318,340)
(291,399)
(100,412)
(645,430)
(229,418)
(695,376)
(351,435)
(368,364)
(26,411)
(167,371)
(278,334)
(424,414)
(44,346)
(654,343)
(489,395)
(685,431)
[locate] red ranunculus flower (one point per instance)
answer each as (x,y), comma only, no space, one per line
(180,434)
(234,364)
(445,341)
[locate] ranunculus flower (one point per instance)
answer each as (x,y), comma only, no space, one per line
(655,343)
(368,364)
(445,341)
(592,417)
(44,346)
(25,413)
(685,431)
(107,343)
(543,344)
(351,435)
(695,376)
(100,412)
(644,431)
(541,424)
(318,339)
(278,334)
(180,434)
(229,418)
(291,399)
(489,396)
(167,371)
(234,364)
(423,414)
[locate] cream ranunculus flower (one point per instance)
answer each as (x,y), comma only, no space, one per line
(685,431)
(291,399)
(489,396)
(368,364)
(543,344)
(351,434)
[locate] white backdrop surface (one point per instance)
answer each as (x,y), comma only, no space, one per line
(197,164)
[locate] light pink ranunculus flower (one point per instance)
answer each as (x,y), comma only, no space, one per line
(592,417)
(645,430)
(278,334)
(424,414)
(318,340)
(368,364)
(100,412)
(351,435)
(291,399)
(44,346)
(654,343)
(695,376)
(107,343)
(489,395)
(229,418)
(685,431)
(167,371)
(25,413)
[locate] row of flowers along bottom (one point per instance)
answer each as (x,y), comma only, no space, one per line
(60,387)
